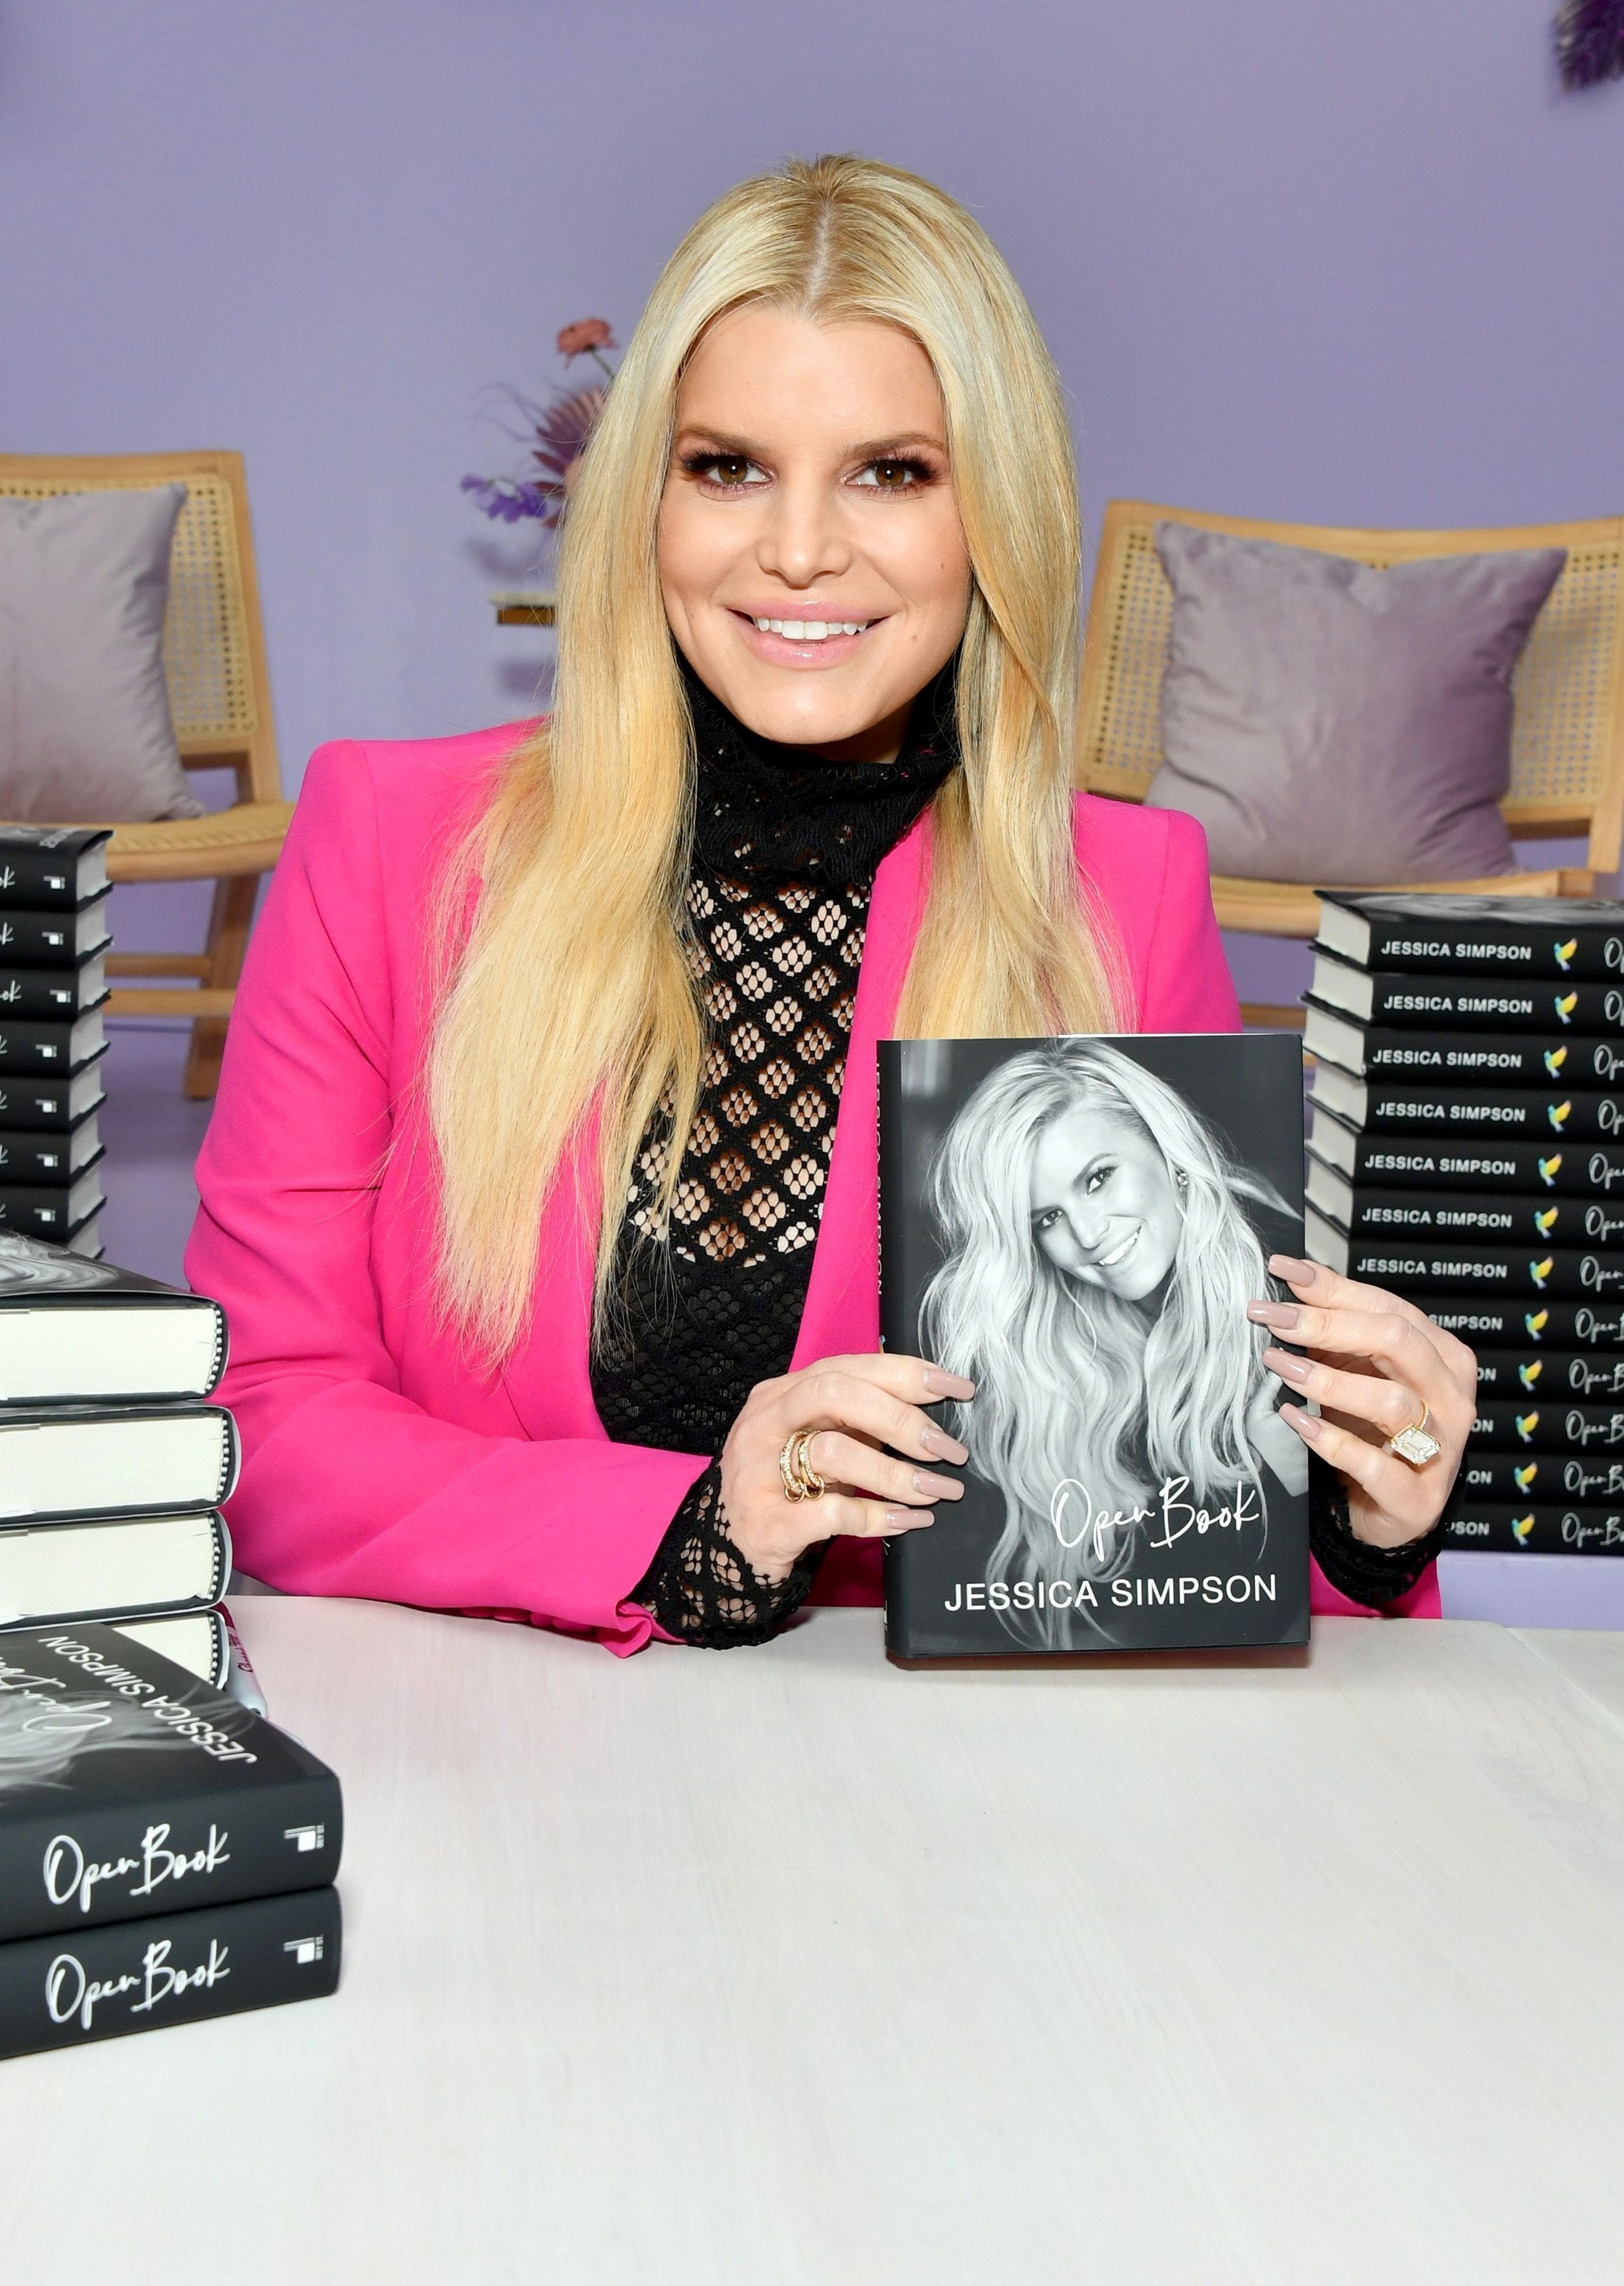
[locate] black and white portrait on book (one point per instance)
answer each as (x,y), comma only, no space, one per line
(1077,1225)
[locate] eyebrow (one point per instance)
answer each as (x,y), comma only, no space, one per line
(878,448)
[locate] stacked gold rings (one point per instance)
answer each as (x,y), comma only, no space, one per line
(802,1480)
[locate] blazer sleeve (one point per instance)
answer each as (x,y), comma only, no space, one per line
(1187,984)
(348,1487)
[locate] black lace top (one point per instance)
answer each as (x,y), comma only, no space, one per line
(786,847)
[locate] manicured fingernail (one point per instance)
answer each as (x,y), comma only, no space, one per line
(936,1487)
(1281,1315)
(1294,1273)
(945,1448)
(1289,1367)
(1307,1424)
(940,1383)
(903,1519)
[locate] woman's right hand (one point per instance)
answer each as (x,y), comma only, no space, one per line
(858,1406)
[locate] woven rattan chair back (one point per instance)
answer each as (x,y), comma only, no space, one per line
(1567,740)
(219,696)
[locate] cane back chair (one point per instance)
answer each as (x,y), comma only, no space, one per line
(214,652)
(1567,735)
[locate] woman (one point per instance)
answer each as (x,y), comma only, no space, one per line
(1099,1263)
(544,1247)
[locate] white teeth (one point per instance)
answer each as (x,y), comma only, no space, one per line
(811,630)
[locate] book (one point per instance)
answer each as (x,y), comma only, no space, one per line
(51,1211)
(77,1330)
(86,1241)
(131,1567)
(1507,1322)
(1504,1059)
(1465,1266)
(42,1156)
(62,1991)
(54,940)
(53,992)
(50,1106)
(52,868)
(1594,1378)
(89,1460)
(1520,1476)
(1531,1425)
(196,1641)
(1440,1162)
(1500,1527)
(51,1045)
(1422,1106)
(1393,997)
(130,1788)
(1435,933)
(1077,1225)
(1545,1220)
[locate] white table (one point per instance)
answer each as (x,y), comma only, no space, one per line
(783,1964)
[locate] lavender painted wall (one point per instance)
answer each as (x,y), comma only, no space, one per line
(1352,259)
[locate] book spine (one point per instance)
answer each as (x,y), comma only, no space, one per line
(1549,1374)
(37,1159)
(1494,948)
(1487,1324)
(44,880)
(38,1210)
(1525,1477)
(1475,1004)
(1525,1168)
(48,940)
(71,1865)
(1534,1426)
(44,1047)
(1464,1268)
(1499,1526)
(61,1991)
(1391,1106)
(1480,1058)
(42,995)
(34,1107)
(1532,1221)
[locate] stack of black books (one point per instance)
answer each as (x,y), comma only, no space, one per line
(113,1463)
(54,947)
(165,1854)
(1467,1151)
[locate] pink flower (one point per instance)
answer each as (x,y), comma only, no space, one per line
(586,334)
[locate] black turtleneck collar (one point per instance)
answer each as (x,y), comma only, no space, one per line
(772,813)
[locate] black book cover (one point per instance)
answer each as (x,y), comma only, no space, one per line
(1455,934)
(1439,1107)
(1467,1266)
(63,1990)
(53,940)
(1507,1322)
(44,1158)
(1499,1528)
(1444,1163)
(51,1106)
(1535,1424)
(73,1329)
(1469,1058)
(128,1788)
(1522,1478)
(50,1046)
(1534,1221)
(1390,996)
(52,868)
(1595,1377)
(58,994)
(51,1211)
(1077,1225)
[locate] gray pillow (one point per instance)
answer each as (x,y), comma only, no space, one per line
(85,729)
(1327,722)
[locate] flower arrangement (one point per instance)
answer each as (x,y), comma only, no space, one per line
(1590,42)
(559,429)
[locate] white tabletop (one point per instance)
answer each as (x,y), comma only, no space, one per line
(784,1964)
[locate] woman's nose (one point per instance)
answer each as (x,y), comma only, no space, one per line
(803,541)
(1087,1228)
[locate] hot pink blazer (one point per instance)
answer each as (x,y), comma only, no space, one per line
(377,1461)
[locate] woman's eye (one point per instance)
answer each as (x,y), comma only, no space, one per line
(894,475)
(1047,1220)
(1100,1177)
(728,472)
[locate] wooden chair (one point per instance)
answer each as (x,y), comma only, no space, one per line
(214,652)
(1567,737)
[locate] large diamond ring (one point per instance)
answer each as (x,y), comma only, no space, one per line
(800,1480)
(1416,1444)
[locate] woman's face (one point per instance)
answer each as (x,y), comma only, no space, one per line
(1104,1208)
(810,557)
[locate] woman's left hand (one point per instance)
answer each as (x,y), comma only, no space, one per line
(1375,1365)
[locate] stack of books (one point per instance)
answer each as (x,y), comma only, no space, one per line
(165,1854)
(53,948)
(113,1463)
(1467,1150)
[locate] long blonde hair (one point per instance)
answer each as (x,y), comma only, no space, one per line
(571,1004)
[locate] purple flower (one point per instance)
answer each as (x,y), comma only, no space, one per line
(560,431)
(1589,36)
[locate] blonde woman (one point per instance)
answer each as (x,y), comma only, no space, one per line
(541,1188)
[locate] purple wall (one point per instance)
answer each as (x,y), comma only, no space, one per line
(1353,260)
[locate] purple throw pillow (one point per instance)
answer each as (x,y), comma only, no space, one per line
(1329,723)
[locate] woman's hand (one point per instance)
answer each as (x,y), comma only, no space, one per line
(857,1406)
(1391,1363)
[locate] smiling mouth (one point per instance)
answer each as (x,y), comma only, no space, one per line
(811,630)
(1109,1261)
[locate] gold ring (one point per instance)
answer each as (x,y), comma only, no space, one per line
(1414,1444)
(800,1480)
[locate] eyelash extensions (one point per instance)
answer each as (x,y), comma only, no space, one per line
(704,464)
